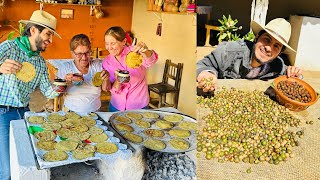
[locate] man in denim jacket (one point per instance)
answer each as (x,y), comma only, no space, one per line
(250,60)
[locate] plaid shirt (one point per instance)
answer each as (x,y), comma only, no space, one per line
(14,92)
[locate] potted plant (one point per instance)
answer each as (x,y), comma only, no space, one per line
(249,36)
(228,29)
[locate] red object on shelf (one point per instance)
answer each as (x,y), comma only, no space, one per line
(191,8)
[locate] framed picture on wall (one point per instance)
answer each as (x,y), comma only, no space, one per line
(66,14)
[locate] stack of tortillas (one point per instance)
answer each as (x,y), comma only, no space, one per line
(133,60)
(96,80)
(27,72)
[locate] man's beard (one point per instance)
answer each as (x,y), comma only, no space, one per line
(253,56)
(39,42)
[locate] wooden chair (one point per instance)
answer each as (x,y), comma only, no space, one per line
(105,96)
(172,72)
(94,51)
(102,53)
(58,103)
(209,28)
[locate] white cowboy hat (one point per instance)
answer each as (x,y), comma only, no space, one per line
(44,19)
(278,28)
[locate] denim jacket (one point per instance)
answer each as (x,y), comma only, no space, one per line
(231,60)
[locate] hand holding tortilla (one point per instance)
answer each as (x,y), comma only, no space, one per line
(27,72)
(96,80)
(99,77)
(105,75)
(133,60)
(10,66)
(142,49)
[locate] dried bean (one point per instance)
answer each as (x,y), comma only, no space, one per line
(294,91)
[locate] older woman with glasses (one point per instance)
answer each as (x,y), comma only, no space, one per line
(133,92)
(81,95)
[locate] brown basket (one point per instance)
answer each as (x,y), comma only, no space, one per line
(292,104)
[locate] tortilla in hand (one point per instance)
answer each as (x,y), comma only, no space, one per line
(27,72)
(133,60)
(96,80)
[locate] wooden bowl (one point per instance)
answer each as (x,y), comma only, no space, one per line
(290,103)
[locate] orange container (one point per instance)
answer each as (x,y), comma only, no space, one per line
(290,103)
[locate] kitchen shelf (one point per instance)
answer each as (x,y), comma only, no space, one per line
(158,14)
(181,13)
(92,6)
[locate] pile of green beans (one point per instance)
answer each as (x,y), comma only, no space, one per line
(246,127)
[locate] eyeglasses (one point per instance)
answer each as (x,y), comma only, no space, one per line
(80,55)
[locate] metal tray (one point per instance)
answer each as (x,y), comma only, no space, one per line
(122,152)
(139,131)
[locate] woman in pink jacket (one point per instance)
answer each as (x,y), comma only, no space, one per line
(132,94)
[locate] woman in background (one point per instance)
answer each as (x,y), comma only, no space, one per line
(132,94)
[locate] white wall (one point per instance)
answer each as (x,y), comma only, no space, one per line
(305,39)
(177,42)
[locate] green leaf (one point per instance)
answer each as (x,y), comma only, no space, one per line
(228,29)
(249,36)
(62,138)
(222,37)
(11,35)
(34,129)
(21,28)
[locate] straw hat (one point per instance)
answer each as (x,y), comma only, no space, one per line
(44,19)
(278,28)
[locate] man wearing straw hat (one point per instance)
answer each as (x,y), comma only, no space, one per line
(250,60)
(14,92)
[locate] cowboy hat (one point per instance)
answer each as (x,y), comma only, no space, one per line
(278,28)
(44,19)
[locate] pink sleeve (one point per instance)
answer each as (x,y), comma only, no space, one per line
(148,62)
